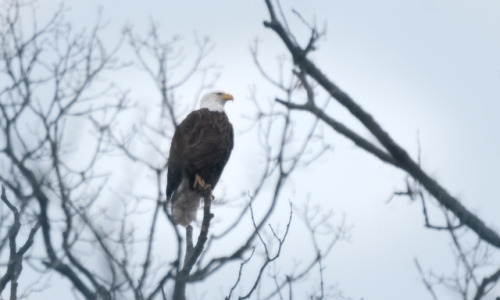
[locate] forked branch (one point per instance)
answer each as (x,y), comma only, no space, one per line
(14,266)
(193,253)
(392,153)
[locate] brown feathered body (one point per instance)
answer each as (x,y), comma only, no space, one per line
(201,145)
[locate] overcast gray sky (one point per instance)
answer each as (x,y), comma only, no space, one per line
(427,70)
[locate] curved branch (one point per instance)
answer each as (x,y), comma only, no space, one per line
(398,154)
(193,253)
(481,291)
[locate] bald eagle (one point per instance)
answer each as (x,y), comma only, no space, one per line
(199,152)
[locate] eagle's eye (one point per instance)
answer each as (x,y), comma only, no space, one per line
(219,94)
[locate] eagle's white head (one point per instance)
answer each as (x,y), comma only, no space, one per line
(215,101)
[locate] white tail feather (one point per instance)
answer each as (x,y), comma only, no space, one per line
(186,203)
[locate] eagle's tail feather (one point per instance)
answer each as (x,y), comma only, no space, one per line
(185,203)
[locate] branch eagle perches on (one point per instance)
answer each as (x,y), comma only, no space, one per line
(389,152)
(193,252)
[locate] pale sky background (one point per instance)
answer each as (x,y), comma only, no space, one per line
(426,69)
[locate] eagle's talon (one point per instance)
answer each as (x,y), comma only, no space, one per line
(198,181)
(204,188)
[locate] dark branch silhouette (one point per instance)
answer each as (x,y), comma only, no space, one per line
(193,253)
(15,264)
(312,79)
(391,153)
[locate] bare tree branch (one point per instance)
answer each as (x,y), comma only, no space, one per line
(269,258)
(396,155)
(427,284)
(482,289)
(193,253)
(15,264)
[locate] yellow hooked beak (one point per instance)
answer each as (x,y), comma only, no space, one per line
(227,97)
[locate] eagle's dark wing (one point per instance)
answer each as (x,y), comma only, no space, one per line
(174,164)
(201,145)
